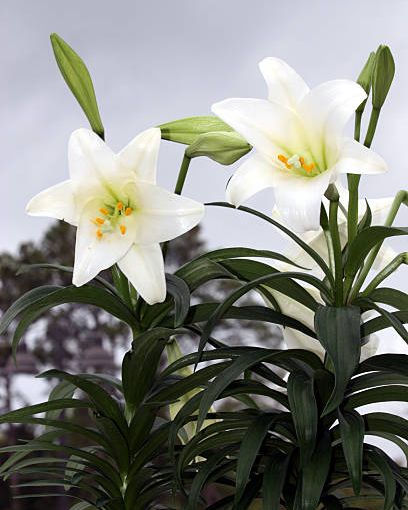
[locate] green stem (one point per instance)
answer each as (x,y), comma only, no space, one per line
(400,198)
(338,263)
(400,259)
(375,114)
(182,175)
(357,125)
(353,181)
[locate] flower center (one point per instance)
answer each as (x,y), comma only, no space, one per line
(296,162)
(111,218)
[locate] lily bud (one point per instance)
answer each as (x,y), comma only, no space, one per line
(365,77)
(383,74)
(224,147)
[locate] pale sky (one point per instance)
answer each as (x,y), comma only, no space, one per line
(154,61)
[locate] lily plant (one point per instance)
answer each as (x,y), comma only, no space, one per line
(225,426)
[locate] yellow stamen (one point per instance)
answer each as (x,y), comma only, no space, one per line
(128,211)
(99,234)
(309,168)
(284,160)
(104,211)
(122,229)
(302,160)
(99,221)
(119,206)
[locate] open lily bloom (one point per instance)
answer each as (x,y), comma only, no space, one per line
(120,212)
(299,143)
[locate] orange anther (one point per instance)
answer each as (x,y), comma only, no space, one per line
(302,160)
(100,221)
(99,234)
(309,168)
(103,211)
(122,229)
(128,211)
(119,206)
(282,158)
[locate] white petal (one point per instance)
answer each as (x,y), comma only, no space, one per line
(56,202)
(93,166)
(297,340)
(162,215)
(355,158)
(269,127)
(92,255)
(298,200)
(370,348)
(384,257)
(255,174)
(144,267)
(331,104)
(285,86)
(140,155)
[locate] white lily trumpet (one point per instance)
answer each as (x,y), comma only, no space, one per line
(120,212)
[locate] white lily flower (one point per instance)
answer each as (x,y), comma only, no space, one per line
(299,143)
(120,212)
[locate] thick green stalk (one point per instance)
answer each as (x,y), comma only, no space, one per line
(372,126)
(353,181)
(182,175)
(338,262)
(400,198)
(400,259)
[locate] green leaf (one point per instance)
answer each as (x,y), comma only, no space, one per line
(387,362)
(187,130)
(315,473)
(251,443)
(241,252)
(35,304)
(140,365)
(245,361)
(224,147)
(338,330)
(274,479)
(102,401)
(365,241)
(303,405)
(78,79)
(386,422)
(392,297)
(180,292)
(312,253)
(62,403)
(380,462)
(380,323)
(352,435)
(391,393)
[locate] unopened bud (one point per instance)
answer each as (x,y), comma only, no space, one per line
(383,74)
(365,77)
(224,147)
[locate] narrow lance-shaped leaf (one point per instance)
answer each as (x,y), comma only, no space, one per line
(315,473)
(303,405)
(338,330)
(352,435)
(78,79)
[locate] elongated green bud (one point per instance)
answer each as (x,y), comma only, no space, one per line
(383,74)
(225,147)
(365,78)
(78,79)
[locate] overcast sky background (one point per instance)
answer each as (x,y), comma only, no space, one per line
(155,60)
